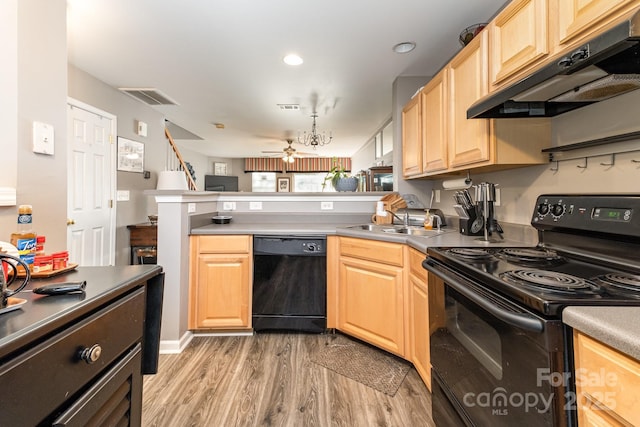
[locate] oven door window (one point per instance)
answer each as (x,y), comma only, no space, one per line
(477,336)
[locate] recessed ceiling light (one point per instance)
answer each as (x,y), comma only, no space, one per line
(404,47)
(292,59)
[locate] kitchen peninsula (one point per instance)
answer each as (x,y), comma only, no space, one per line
(182,214)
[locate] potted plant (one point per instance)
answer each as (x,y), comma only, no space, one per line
(340,178)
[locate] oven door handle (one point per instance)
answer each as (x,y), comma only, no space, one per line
(519,320)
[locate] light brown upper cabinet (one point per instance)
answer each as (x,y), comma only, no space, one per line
(467,73)
(412,138)
(518,38)
(434,124)
(573,22)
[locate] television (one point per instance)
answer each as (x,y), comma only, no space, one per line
(220,183)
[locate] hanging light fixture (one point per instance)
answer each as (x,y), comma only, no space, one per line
(288,158)
(314,139)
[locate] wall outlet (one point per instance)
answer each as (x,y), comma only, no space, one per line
(255,206)
(326,206)
(437,196)
(498,198)
(122,195)
(228,206)
(191,207)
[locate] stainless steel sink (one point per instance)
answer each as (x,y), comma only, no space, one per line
(416,231)
(397,229)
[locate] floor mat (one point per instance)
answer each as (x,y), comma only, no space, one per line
(362,363)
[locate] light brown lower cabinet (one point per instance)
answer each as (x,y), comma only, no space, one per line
(371,295)
(418,352)
(607,384)
(220,282)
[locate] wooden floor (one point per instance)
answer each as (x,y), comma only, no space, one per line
(268,380)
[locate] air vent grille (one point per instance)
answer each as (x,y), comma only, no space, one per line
(289,107)
(149,96)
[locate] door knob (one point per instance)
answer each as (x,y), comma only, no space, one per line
(70,221)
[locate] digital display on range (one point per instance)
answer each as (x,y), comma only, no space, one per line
(612,214)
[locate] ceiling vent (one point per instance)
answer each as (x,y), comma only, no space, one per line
(149,96)
(289,107)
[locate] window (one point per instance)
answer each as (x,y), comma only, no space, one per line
(310,182)
(263,181)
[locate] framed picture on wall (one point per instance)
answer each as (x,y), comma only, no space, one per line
(219,168)
(283,185)
(130,155)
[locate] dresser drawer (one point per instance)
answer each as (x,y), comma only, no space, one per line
(36,383)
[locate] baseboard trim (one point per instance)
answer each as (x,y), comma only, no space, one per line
(176,346)
(224,334)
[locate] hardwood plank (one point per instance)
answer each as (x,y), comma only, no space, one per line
(268,379)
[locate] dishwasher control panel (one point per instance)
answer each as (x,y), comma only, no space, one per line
(290,245)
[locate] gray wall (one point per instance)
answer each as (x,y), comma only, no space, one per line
(128,111)
(40,62)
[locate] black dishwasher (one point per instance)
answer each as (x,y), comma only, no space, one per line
(290,283)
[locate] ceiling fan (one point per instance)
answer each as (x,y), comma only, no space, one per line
(289,154)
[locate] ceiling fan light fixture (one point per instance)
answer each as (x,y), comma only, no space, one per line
(404,47)
(292,59)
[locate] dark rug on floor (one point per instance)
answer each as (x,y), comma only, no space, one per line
(362,363)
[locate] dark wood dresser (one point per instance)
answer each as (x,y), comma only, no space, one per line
(78,359)
(143,240)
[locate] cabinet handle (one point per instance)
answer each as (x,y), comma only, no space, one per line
(91,354)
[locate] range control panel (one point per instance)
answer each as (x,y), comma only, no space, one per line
(618,214)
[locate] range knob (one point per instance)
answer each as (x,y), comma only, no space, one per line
(557,210)
(543,209)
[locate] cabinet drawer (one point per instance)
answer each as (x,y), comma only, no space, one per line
(224,244)
(40,380)
(372,250)
(415,264)
(607,381)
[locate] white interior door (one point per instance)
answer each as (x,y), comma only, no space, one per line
(91,185)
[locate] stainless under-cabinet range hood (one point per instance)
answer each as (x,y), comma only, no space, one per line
(606,66)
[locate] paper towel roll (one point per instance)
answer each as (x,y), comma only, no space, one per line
(456,184)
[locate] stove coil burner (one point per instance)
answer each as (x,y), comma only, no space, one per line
(551,281)
(472,254)
(531,256)
(620,283)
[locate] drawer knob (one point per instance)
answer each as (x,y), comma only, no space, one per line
(91,354)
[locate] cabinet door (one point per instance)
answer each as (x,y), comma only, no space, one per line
(418,351)
(469,140)
(371,303)
(412,138)
(578,19)
(519,39)
(434,105)
(222,292)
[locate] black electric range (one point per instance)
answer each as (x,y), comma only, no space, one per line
(496,313)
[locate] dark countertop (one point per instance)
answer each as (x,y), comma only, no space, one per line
(41,315)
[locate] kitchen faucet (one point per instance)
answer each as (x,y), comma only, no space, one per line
(405,220)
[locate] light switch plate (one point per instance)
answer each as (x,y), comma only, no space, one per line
(191,207)
(122,195)
(43,141)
